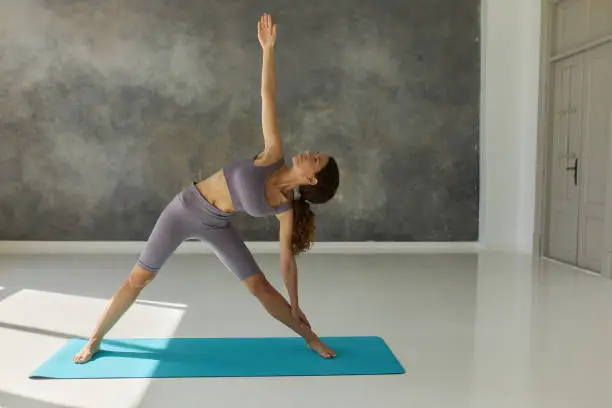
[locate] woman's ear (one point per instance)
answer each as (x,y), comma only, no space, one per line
(312,180)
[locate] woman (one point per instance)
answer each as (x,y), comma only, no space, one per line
(260,186)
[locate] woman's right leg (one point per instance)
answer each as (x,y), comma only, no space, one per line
(119,303)
(170,230)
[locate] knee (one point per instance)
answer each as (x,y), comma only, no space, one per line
(139,278)
(258,285)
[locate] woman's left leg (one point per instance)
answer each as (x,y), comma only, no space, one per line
(235,255)
(278,307)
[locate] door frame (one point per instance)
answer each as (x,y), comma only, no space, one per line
(540,233)
(542,182)
(607,257)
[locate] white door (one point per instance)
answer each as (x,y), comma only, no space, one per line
(563,206)
(579,206)
(593,162)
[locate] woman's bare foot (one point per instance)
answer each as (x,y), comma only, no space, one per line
(86,353)
(320,347)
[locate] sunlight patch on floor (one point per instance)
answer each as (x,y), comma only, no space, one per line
(165,304)
(77,315)
(35,324)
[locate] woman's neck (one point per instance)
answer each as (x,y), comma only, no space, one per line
(285,179)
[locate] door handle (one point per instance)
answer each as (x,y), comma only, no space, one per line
(574,168)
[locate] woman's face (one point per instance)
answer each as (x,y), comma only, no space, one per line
(308,164)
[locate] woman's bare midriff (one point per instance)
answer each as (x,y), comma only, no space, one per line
(216,192)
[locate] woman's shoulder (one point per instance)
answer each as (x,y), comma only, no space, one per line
(289,195)
(268,157)
(286,205)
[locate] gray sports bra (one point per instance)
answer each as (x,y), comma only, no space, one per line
(246,183)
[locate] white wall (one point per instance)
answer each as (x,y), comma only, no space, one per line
(510,74)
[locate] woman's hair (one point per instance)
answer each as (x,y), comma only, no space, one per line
(328,179)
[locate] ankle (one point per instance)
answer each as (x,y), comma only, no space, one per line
(94,342)
(312,338)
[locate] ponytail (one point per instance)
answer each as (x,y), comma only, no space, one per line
(303,226)
(303,218)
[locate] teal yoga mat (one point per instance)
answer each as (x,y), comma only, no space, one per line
(221,357)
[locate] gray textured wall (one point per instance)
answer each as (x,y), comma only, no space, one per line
(108,108)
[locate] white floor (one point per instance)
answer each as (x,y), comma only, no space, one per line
(471,330)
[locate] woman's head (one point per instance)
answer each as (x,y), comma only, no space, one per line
(319,174)
(321,178)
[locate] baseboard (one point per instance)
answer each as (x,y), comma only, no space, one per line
(570,266)
(506,249)
(194,247)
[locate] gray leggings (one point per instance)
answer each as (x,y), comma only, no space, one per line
(190,216)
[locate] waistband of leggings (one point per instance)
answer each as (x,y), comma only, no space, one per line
(204,203)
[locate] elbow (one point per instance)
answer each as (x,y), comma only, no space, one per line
(267,93)
(288,264)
